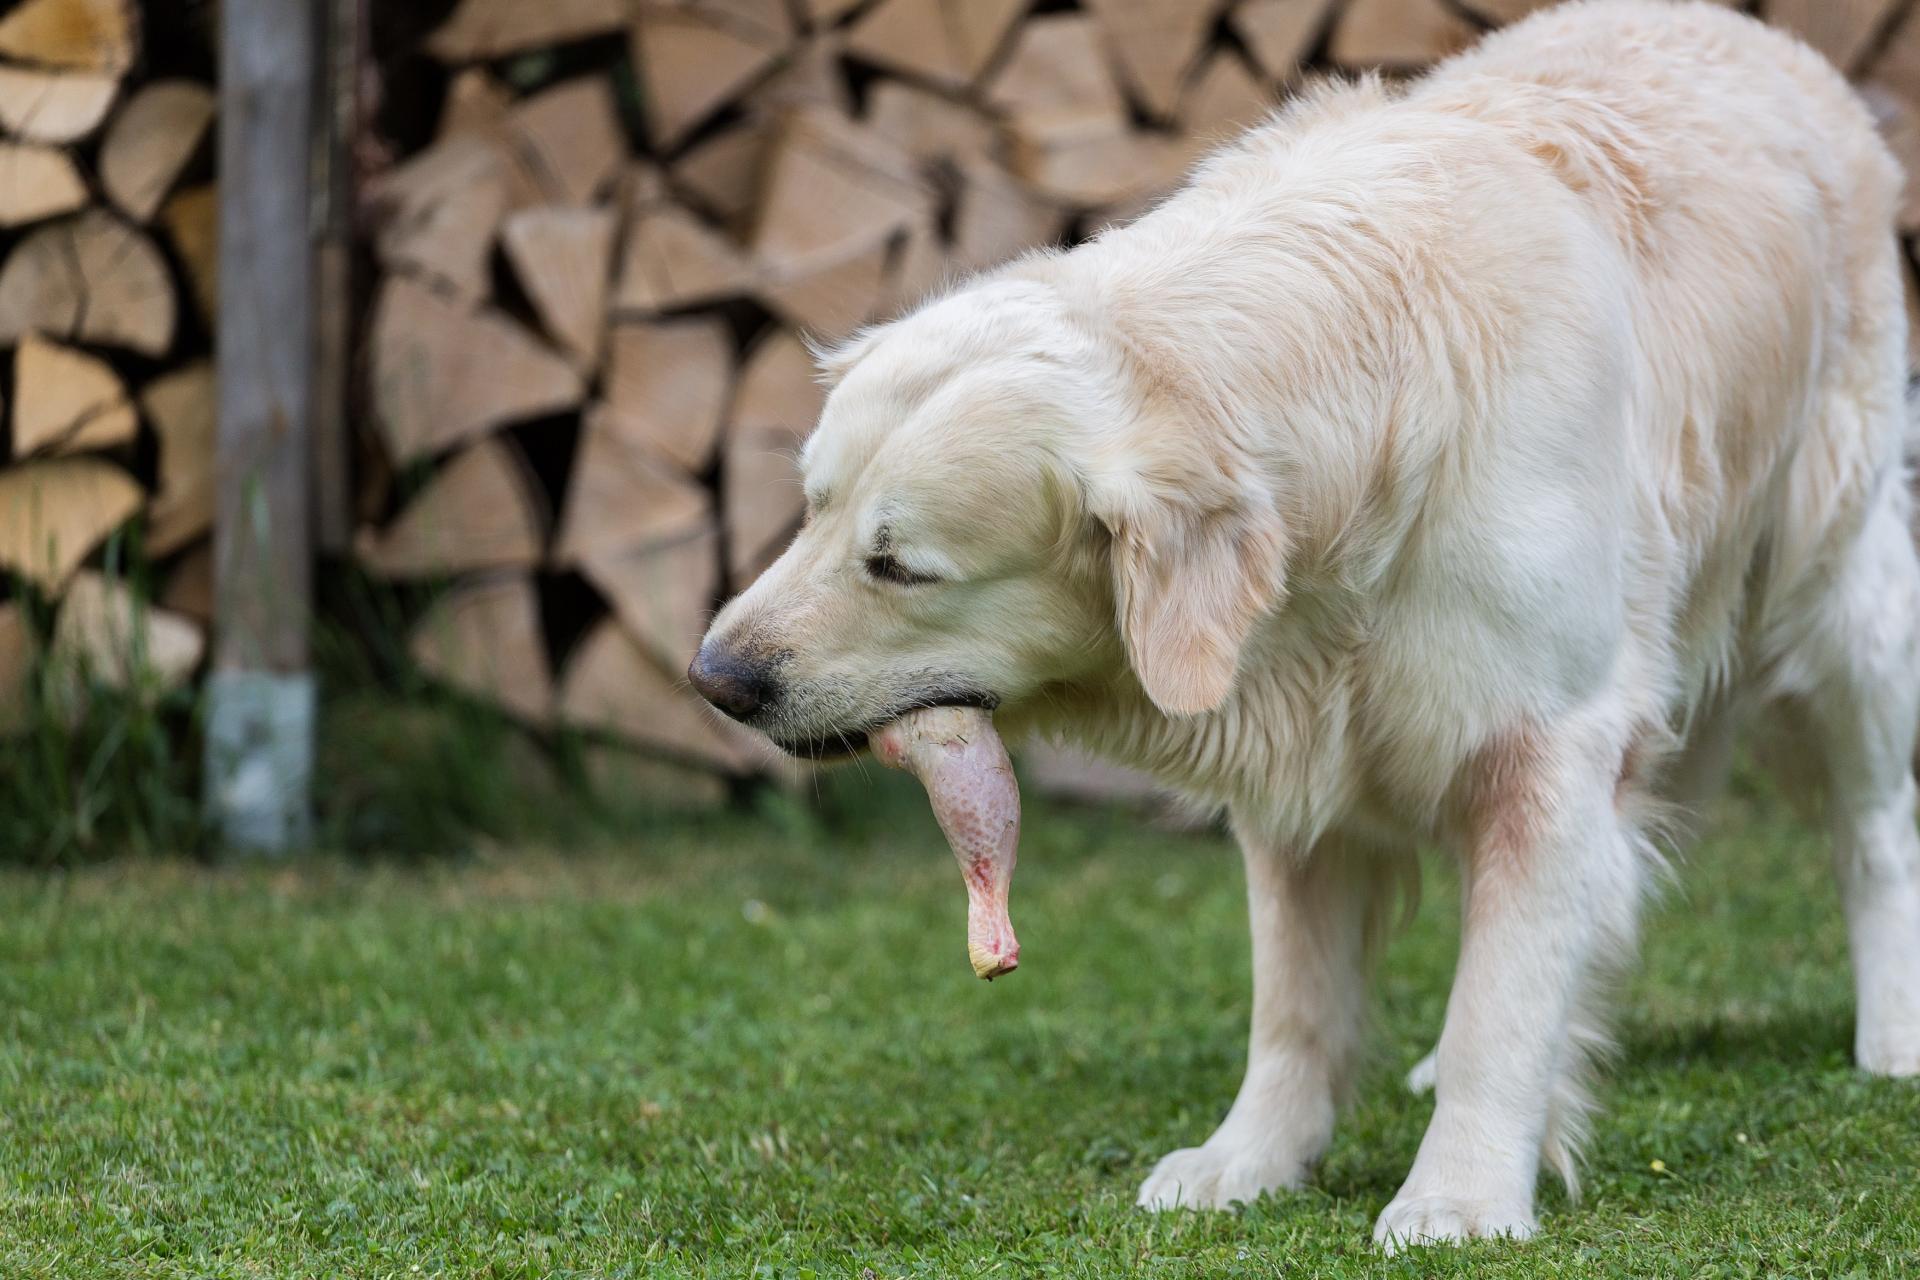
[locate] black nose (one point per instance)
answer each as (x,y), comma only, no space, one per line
(735,685)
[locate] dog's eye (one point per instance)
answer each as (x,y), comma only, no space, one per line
(888,569)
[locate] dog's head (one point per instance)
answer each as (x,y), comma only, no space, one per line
(1003,501)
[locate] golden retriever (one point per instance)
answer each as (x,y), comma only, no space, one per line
(1459,464)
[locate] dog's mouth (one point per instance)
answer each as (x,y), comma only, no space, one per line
(842,744)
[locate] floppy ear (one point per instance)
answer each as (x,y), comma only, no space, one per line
(1190,582)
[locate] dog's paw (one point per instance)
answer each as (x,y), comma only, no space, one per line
(1896,1055)
(1420,1079)
(1216,1176)
(1411,1221)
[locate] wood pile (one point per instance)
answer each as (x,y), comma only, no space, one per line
(106,386)
(586,356)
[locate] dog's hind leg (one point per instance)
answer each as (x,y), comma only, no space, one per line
(1854,672)
(1312,921)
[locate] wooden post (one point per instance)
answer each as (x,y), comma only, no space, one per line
(260,713)
(342,48)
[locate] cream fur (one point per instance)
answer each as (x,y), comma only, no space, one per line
(1457,464)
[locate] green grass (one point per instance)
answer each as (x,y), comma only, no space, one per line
(754,1049)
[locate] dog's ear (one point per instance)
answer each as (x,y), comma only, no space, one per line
(1191,578)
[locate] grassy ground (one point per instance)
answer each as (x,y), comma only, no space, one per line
(756,1050)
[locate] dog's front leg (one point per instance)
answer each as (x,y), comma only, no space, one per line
(1553,884)
(1308,922)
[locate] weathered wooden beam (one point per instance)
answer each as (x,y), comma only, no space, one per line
(260,696)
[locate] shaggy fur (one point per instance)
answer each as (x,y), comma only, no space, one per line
(1461,464)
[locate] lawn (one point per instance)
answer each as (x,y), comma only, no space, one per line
(753,1048)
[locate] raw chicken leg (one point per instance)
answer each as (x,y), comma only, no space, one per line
(960,760)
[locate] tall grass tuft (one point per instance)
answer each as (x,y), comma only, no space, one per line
(102,764)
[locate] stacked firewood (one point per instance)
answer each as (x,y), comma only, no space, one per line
(107,218)
(633,213)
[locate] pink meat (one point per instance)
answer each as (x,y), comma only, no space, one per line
(960,760)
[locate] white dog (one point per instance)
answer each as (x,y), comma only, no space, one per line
(1454,464)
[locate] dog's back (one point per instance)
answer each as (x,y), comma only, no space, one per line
(1753,202)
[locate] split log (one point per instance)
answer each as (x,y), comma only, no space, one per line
(1898,120)
(824,13)
(995,218)
(1056,85)
(442,374)
(480,29)
(563,257)
(110,636)
(1100,169)
(775,405)
(486,640)
(722,173)
(811,77)
(189,586)
(66,401)
(1501,12)
(777,391)
(36,183)
(920,266)
(927,126)
(566,143)
(91,278)
(832,191)
(192,220)
(621,496)
(1222,100)
(53,106)
(1156,44)
(54,513)
(611,686)
(437,214)
(1842,30)
(480,510)
(476,105)
(180,405)
(764,501)
(671,260)
(150,141)
(663,593)
(641,188)
(667,386)
(1280,34)
(76,35)
(948,42)
(1398,34)
(832,301)
(692,63)
(18,656)
(1898,65)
